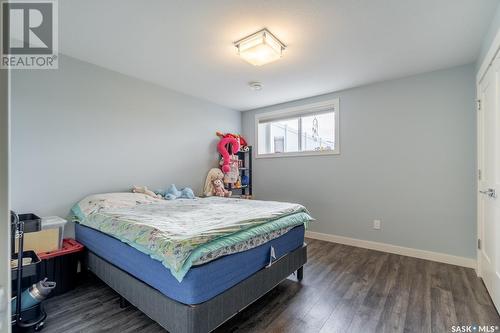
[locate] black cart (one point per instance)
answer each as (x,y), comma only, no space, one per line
(33,317)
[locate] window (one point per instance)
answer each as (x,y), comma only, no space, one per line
(307,130)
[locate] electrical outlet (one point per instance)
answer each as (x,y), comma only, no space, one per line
(377,224)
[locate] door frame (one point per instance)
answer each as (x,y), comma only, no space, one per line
(488,60)
(5,280)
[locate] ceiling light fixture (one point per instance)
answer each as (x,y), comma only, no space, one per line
(260,48)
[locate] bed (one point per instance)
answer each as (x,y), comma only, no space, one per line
(191,265)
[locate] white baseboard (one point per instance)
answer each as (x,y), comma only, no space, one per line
(405,251)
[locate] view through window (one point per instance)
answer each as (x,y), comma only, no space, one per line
(306,132)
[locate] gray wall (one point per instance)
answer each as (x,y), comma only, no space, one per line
(407,158)
(83,129)
(489,37)
(4,199)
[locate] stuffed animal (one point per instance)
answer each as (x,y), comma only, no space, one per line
(187,193)
(241,139)
(144,190)
(219,189)
(223,147)
(173,193)
(213,181)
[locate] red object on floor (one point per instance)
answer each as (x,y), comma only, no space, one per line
(69,246)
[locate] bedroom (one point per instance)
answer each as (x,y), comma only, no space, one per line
(358,140)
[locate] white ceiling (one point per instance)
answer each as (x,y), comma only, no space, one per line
(332,44)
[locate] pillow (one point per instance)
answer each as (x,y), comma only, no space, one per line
(94,203)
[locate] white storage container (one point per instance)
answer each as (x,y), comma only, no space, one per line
(53,222)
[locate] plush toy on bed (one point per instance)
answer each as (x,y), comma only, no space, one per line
(214,184)
(146,191)
(173,193)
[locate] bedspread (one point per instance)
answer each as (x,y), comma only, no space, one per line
(181,232)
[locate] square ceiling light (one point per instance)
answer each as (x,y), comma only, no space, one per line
(260,48)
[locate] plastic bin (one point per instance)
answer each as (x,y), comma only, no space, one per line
(28,270)
(32,222)
(62,266)
(55,222)
(49,238)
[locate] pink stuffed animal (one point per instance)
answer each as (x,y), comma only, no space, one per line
(219,189)
(222,146)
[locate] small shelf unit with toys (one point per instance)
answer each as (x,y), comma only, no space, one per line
(243,188)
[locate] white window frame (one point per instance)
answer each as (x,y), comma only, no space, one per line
(296,111)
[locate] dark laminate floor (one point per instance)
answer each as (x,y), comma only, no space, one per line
(345,289)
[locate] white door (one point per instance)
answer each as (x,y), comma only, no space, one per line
(489,180)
